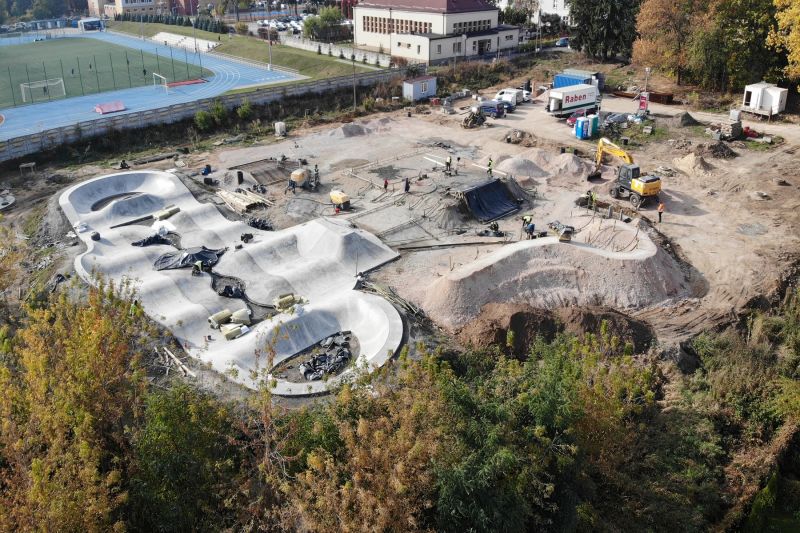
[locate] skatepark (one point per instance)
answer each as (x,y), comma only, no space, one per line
(316,262)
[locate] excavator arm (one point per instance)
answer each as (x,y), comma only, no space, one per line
(604,146)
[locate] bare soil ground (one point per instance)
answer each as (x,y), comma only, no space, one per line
(729,219)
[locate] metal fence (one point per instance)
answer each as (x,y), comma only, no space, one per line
(30,144)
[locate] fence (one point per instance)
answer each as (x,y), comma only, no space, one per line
(260,64)
(93,69)
(48,139)
(335,50)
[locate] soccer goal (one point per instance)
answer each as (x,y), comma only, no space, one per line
(34,91)
(160,81)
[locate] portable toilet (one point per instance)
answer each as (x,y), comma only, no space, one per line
(594,125)
(582,128)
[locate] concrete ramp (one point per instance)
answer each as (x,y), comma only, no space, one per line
(318,261)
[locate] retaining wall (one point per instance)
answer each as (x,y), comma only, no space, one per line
(30,144)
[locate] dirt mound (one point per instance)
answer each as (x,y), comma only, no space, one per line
(718,150)
(684,120)
(548,274)
(527,323)
(693,165)
(582,320)
(519,166)
(492,325)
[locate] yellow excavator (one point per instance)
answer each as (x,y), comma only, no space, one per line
(630,183)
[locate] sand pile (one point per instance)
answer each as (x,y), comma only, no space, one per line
(519,166)
(528,323)
(566,167)
(693,165)
(548,274)
(449,215)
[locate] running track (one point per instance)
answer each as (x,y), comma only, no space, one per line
(228,75)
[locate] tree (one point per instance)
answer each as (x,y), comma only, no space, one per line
(664,28)
(786,37)
(605,28)
(746,26)
(70,390)
(184,465)
(43,9)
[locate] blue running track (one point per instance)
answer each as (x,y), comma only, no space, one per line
(228,75)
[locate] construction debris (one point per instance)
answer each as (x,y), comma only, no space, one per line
(336,355)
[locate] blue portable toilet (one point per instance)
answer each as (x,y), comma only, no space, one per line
(581,129)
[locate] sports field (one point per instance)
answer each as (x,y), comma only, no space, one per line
(87,66)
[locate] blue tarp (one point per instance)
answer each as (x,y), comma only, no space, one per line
(490,201)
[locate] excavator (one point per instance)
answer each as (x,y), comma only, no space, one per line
(630,183)
(474,118)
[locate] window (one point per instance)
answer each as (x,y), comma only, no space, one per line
(509,37)
(419,49)
(424,87)
(439,49)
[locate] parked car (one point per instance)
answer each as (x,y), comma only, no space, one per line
(493,109)
(615,118)
(573,118)
(506,105)
(564,41)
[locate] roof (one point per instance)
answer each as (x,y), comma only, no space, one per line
(436,6)
(421,78)
(760,85)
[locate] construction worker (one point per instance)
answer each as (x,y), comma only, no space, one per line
(292,186)
(527,220)
(407,185)
(593,198)
(489,167)
(134,308)
(385,184)
(448,163)
(660,211)
(530,229)
(123,165)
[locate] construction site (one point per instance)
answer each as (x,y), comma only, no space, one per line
(304,260)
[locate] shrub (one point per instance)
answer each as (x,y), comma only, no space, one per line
(203,120)
(341,54)
(218,112)
(241,28)
(245,111)
(319,49)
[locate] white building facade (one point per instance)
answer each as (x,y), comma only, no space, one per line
(432,31)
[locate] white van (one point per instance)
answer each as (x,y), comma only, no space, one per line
(515,96)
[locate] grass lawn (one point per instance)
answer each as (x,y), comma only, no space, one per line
(309,64)
(84,67)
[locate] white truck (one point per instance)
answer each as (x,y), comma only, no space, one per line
(514,96)
(566,100)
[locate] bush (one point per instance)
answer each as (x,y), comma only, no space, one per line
(203,120)
(319,49)
(244,111)
(241,28)
(218,113)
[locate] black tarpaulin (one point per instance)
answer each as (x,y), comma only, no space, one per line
(490,201)
(151,240)
(187,258)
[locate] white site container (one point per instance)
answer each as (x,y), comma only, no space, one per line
(764,99)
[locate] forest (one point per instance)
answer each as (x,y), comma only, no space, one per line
(579,434)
